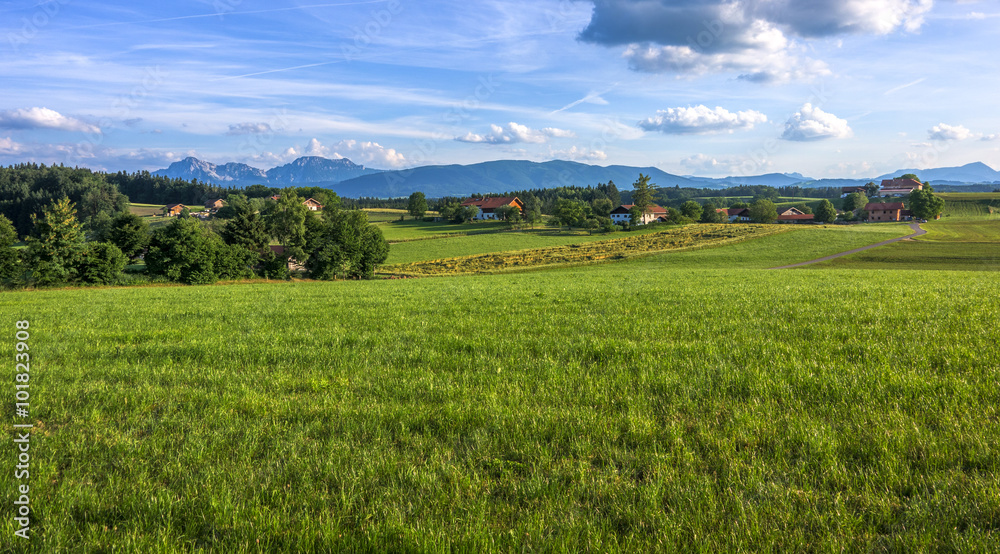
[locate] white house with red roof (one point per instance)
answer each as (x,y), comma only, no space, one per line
(900,187)
(488,206)
(623,213)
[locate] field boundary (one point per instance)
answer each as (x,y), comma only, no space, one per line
(917,231)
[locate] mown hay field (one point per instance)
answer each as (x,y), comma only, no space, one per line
(681,401)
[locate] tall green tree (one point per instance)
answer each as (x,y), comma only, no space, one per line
(183,251)
(855,201)
(247,230)
(569,212)
(510,214)
(55,244)
(642,193)
(691,209)
(825,212)
(710,215)
(602,207)
(129,232)
(763,211)
(924,204)
(417,205)
(871,189)
(349,247)
(286,219)
(10,261)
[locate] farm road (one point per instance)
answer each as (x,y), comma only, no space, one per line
(917,231)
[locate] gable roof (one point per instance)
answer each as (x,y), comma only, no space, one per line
(312,201)
(890,206)
(796,217)
(737,211)
(901,184)
(492,203)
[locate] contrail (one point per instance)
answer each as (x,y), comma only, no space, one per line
(901,87)
(219,14)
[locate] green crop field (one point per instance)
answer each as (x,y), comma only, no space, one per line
(146,209)
(677,401)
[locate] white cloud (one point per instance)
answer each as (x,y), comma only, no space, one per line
(43,118)
(701,120)
(753,38)
(990,137)
(944,131)
(579,154)
(515,133)
(249,129)
(809,124)
(363,152)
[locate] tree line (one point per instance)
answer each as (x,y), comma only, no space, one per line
(340,244)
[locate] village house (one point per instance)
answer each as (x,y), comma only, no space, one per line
(885,212)
(313,204)
(900,187)
(213,205)
(844,191)
(736,214)
(488,206)
(171,210)
(653,212)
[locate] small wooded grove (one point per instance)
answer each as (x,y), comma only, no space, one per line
(59,251)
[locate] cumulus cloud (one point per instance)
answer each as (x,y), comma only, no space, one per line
(249,129)
(754,38)
(363,152)
(944,131)
(43,118)
(701,120)
(579,154)
(809,124)
(990,137)
(513,133)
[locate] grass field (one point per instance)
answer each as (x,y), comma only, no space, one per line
(146,209)
(679,401)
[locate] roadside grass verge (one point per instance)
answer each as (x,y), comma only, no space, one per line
(656,409)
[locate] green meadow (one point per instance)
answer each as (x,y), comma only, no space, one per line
(688,400)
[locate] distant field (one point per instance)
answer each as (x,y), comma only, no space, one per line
(410,229)
(498,240)
(971,204)
(951,243)
(146,209)
(617,246)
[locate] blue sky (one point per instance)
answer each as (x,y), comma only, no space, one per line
(828,88)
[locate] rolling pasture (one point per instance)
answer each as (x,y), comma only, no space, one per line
(677,401)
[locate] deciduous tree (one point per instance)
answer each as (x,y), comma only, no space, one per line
(825,212)
(417,205)
(763,211)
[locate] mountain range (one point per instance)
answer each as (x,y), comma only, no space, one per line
(305,170)
(352,180)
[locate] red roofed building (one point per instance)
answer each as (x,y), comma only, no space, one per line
(622,214)
(892,211)
(900,187)
(796,218)
(736,214)
(844,191)
(487,206)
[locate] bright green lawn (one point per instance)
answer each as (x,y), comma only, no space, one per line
(410,229)
(678,402)
(953,243)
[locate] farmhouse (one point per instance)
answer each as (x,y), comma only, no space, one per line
(844,191)
(789,211)
(796,218)
(900,187)
(313,204)
(653,213)
(736,214)
(174,209)
(214,204)
(885,212)
(487,206)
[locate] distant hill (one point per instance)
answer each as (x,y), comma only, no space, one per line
(500,176)
(976,172)
(308,169)
(352,180)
